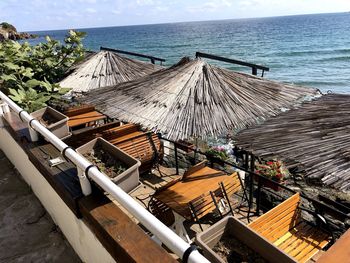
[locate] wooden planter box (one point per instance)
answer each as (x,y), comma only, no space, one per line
(59,127)
(127,180)
(229,225)
(269,184)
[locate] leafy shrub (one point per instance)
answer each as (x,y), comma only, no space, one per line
(28,73)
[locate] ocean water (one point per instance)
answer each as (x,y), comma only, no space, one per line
(310,50)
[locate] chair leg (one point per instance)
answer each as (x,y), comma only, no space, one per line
(195,215)
(226,197)
(199,223)
(216,204)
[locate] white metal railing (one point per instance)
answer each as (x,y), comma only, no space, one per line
(156,227)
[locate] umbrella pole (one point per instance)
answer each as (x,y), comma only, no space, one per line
(195,152)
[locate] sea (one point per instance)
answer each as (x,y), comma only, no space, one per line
(309,50)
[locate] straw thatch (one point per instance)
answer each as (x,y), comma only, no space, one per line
(106,68)
(195,99)
(314,138)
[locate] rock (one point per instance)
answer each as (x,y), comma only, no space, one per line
(8,31)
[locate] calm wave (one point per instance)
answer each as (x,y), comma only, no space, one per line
(311,50)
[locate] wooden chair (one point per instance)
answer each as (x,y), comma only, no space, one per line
(202,206)
(161,211)
(224,194)
(284,227)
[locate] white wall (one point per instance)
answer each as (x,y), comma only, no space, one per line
(83,241)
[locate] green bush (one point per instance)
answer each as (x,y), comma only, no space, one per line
(28,73)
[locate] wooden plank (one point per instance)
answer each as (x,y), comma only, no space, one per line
(339,252)
(85,118)
(122,238)
(63,178)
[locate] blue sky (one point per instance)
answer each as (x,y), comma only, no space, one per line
(64,14)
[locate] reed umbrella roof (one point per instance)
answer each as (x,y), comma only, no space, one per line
(315,138)
(196,99)
(106,68)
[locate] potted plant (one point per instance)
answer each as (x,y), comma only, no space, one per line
(229,240)
(53,120)
(218,153)
(274,170)
(119,166)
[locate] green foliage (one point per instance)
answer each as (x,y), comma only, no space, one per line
(28,72)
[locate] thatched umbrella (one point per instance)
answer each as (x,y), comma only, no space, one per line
(196,99)
(314,137)
(106,68)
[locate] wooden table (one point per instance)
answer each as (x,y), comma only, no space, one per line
(85,118)
(178,195)
(339,252)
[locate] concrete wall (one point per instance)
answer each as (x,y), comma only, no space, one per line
(83,241)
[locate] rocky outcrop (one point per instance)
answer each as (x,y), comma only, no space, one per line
(8,31)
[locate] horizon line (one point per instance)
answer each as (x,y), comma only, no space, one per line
(179,22)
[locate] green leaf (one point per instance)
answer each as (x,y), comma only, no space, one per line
(28,72)
(10,65)
(32,83)
(9,77)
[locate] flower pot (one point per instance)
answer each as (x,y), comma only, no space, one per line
(53,120)
(128,179)
(269,184)
(230,227)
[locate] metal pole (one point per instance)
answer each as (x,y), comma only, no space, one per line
(176,160)
(258,197)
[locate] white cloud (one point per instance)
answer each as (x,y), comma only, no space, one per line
(71,14)
(145,2)
(90,10)
(116,12)
(209,6)
(88,1)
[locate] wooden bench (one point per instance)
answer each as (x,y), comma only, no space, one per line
(284,227)
(146,147)
(83,136)
(73,111)
(143,146)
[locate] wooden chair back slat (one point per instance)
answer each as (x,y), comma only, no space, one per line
(202,206)
(275,214)
(79,110)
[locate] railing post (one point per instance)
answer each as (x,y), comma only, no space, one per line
(254,71)
(258,197)
(4,108)
(84,182)
(251,178)
(176,160)
(33,134)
